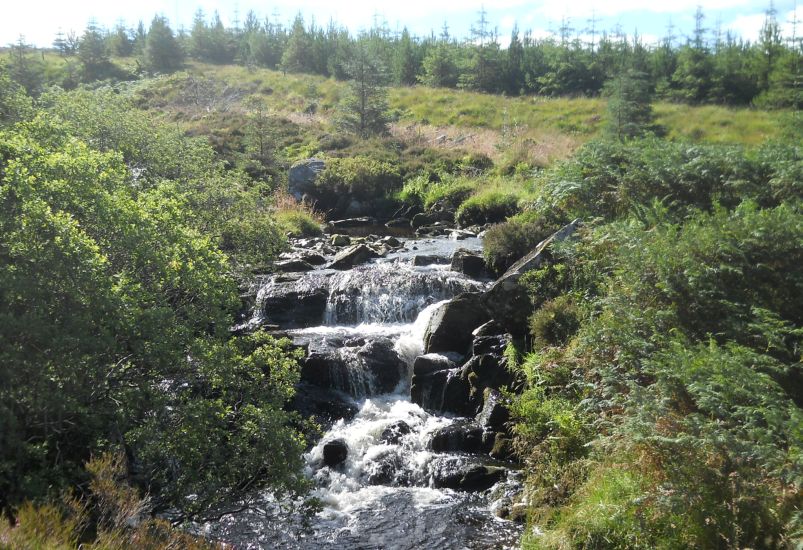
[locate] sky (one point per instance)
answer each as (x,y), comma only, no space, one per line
(38,21)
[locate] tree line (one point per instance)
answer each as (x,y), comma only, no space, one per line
(707,67)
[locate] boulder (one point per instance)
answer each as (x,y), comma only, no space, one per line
(391,241)
(507,299)
(335,452)
(394,432)
(383,468)
(468,263)
(451,473)
(451,324)
(424,259)
(302,175)
(433,362)
(294,303)
(340,240)
(494,345)
(398,222)
(494,414)
(352,256)
(431,217)
(486,371)
(353,222)
(371,369)
(293,266)
(460,437)
(324,405)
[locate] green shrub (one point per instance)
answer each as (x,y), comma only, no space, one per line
(506,242)
(554,322)
(298,223)
(486,207)
(361,178)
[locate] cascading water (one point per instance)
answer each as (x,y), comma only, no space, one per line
(382,495)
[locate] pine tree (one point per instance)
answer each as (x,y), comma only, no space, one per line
(405,67)
(94,56)
(629,110)
(364,109)
(297,53)
(162,51)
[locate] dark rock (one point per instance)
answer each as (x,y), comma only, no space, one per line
(486,371)
(312,258)
(451,324)
(384,468)
(340,240)
(354,342)
(507,300)
(494,345)
(335,452)
(461,234)
(433,362)
(430,231)
(393,433)
(460,476)
(293,266)
(398,222)
(372,369)
(391,241)
(422,259)
(502,448)
(324,405)
(352,256)
(494,414)
(491,328)
(302,175)
(353,222)
(293,303)
(460,437)
(431,217)
(468,263)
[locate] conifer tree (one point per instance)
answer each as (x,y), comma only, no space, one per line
(162,51)
(364,109)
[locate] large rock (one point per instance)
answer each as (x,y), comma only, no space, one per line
(451,324)
(393,434)
(431,217)
(495,414)
(294,302)
(454,473)
(293,266)
(507,299)
(352,256)
(302,175)
(486,371)
(468,263)
(324,405)
(353,222)
(335,452)
(425,259)
(460,437)
(371,369)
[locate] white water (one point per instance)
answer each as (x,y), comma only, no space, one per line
(382,495)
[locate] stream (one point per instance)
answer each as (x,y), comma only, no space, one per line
(392,490)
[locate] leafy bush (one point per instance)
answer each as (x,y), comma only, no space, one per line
(507,242)
(360,178)
(554,322)
(486,207)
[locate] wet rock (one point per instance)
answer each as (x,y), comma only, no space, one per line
(353,222)
(294,303)
(398,222)
(502,447)
(491,328)
(494,345)
(340,240)
(324,405)
(423,259)
(383,469)
(452,323)
(312,258)
(293,266)
(486,371)
(391,241)
(335,452)
(461,234)
(371,369)
(393,433)
(433,362)
(461,437)
(494,414)
(431,217)
(302,175)
(507,300)
(352,256)
(468,263)
(461,476)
